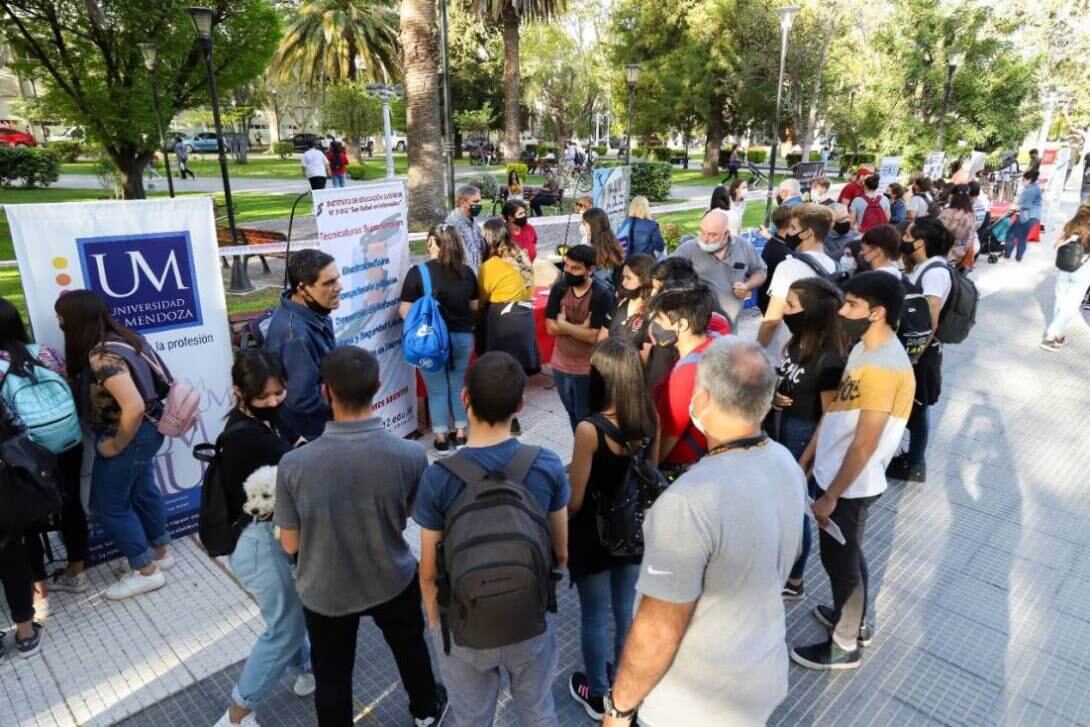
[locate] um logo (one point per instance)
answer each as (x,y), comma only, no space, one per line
(148,281)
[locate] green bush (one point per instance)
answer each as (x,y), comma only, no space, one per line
(362,171)
(757,156)
(34,166)
(66,151)
(520,168)
(283,149)
(484,182)
(545,149)
(815,156)
(792,159)
(601,150)
(639,153)
(671,233)
(662,154)
(652,180)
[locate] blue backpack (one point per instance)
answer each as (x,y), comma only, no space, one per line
(45,405)
(425,342)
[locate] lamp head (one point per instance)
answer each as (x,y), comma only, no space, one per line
(202,22)
(787,16)
(151,55)
(956,59)
(632,74)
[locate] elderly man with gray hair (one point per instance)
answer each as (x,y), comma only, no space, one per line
(467,205)
(725,261)
(707,643)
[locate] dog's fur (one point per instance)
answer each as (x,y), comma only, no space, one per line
(260,490)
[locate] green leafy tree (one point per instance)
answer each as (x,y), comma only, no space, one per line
(509,14)
(349,109)
(324,38)
(476,121)
(92,73)
(560,78)
(476,62)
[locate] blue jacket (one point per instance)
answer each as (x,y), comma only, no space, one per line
(642,236)
(301,338)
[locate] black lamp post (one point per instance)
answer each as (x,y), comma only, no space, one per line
(631,77)
(151,56)
(787,17)
(954,60)
(202,22)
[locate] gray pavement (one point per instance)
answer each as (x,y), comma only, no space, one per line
(980,576)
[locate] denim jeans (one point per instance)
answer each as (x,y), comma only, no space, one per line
(795,434)
(1018,236)
(445,387)
(338,180)
(125,499)
(574,392)
(1070,289)
(597,592)
(919,427)
(264,569)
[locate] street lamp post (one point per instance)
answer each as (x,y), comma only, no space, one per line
(386,92)
(632,77)
(787,17)
(202,23)
(953,61)
(448,123)
(151,56)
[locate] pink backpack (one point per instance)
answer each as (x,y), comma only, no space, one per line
(181,407)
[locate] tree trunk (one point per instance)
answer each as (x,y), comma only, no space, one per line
(811,115)
(716,132)
(353,150)
(131,168)
(511,83)
(420,49)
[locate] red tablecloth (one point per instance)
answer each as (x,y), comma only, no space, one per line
(545,342)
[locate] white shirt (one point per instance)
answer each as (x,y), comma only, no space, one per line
(314,163)
(937,282)
(891,269)
(787,272)
(918,204)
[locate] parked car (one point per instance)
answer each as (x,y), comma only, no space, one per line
(14,137)
(205,142)
(301,142)
(171,139)
(72,133)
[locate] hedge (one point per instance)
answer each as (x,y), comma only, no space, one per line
(33,165)
(662,154)
(522,169)
(484,182)
(795,157)
(652,180)
(639,153)
(757,156)
(545,149)
(67,151)
(601,150)
(671,234)
(363,171)
(283,149)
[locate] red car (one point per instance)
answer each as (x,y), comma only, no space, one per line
(13,137)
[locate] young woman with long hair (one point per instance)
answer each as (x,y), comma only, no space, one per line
(600,236)
(624,418)
(121,398)
(454,285)
(19,358)
(1070,287)
(737,192)
(812,365)
(255,436)
(632,298)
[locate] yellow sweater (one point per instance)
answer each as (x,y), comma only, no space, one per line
(501,282)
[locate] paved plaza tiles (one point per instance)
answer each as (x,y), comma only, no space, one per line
(981,576)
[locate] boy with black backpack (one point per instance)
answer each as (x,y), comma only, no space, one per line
(493,536)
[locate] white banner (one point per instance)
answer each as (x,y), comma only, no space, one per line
(611,191)
(933,164)
(365,228)
(888,172)
(155,263)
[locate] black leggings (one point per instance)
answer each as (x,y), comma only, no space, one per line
(73,518)
(16,579)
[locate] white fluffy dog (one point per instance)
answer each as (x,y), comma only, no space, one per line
(260,490)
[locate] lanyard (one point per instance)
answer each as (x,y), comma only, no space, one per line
(744,443)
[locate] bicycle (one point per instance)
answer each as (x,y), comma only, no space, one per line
(577,177)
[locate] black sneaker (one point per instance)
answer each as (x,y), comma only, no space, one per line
(825,616)
(516,428)
(441,707)
(900,469)
(827,656)
(442,445)
(30,646)
(793,593)
(461,440)
(579,687)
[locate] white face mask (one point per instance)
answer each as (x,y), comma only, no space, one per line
(696,420)
(713,247)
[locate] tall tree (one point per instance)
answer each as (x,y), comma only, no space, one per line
(325,37)
(560,76)
(509,14)
(420,52)
(93,75)
(350,110)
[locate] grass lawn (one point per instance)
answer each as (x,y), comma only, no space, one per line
(259,165)
(689,220)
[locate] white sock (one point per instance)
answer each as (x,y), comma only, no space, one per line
(852,646)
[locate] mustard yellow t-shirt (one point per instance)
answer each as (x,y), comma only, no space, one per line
(501,282)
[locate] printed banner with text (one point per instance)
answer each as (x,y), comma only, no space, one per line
(156,265)
(610,193)
(365,229)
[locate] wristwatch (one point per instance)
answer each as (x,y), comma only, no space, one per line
(612,711)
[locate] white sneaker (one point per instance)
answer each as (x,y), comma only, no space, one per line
(134,584)
(165,563)
(249,720)
(304,685)
(69,584)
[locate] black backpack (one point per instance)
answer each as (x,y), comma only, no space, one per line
(914,326)
(496,579)
(838,277)
(958,316)
(1071,255)
(217,533)
(29,490)
(619,514)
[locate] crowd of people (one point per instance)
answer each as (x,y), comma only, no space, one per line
(763,440)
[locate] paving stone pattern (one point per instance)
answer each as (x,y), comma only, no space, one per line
(980,577)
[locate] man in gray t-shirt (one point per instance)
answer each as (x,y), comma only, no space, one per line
(707,643)
(342,502)
(728,263)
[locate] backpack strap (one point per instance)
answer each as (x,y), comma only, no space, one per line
(812,264)
(425,278)
(152,361)
(469,472)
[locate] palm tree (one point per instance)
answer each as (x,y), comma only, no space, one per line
(509,14)
(323,41)
(420,48)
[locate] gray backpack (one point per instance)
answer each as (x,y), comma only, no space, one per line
(496,578)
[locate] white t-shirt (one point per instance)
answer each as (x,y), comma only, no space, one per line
(936,282)
(891,269)
(918,203)
(314,163)
(787,272)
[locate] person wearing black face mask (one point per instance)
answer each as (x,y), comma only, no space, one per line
(301,332)
(810,371)
(632,297)
(520,230)
(254,436)
(467,206)
(841,236)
